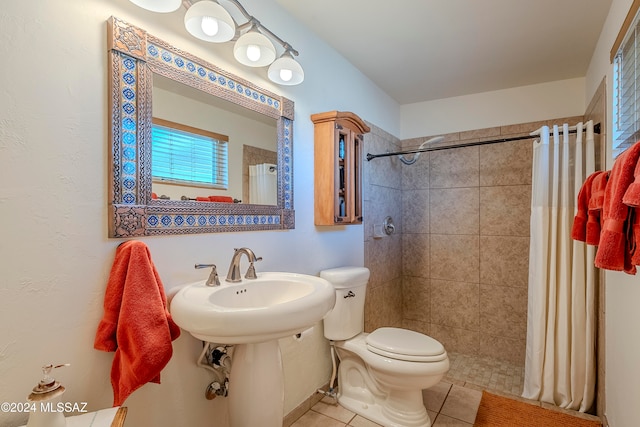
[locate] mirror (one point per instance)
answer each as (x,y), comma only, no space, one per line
(144,69)
(251,137)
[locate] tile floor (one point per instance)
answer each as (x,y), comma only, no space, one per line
(448,405)
(451,403)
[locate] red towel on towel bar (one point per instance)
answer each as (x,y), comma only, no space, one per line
(613,250)
(136,323)
(222,199)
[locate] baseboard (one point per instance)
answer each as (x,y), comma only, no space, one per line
(302,408)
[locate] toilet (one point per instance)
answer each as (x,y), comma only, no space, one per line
(381,374)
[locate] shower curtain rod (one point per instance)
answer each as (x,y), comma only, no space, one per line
(596,129)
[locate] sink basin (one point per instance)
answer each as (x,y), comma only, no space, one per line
(272,306)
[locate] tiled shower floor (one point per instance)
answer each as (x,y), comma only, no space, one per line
(486,373)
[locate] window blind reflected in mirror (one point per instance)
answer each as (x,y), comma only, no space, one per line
(185,157)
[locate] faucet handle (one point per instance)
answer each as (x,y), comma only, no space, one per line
(251,271)
(213,279)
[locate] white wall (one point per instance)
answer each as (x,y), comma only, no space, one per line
(564,98)
(55,257)
(622,292)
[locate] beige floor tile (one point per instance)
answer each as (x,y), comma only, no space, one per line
(335,411)
(444,421)
(462,404)
(432,415)
(435,396)
(315,419)
(359,421)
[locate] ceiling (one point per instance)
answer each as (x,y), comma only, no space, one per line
(421,50)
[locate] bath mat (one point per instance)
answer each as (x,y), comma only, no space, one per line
(499,411)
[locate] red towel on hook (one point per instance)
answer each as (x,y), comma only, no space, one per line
(136,322)
(582,219)
(613,249)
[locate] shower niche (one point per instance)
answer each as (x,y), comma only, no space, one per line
(338,139)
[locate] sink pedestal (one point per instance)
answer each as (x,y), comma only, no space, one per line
(256,386)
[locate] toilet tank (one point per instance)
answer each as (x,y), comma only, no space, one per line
(346,319)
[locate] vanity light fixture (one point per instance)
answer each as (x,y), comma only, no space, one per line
(210,21)
(161,6)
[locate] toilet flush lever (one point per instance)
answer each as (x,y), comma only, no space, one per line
(349,294)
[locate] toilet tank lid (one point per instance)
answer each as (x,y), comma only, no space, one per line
(346,277)
(404,342)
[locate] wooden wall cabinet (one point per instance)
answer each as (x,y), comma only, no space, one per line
(338,139)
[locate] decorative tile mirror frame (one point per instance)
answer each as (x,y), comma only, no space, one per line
(134,56)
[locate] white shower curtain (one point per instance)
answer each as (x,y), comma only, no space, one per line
(263,181)
(561,320)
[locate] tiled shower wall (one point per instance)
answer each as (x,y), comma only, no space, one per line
(382,194)
(466,242)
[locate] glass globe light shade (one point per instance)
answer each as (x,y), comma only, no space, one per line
(162,6)
(286,71)
(207,20)
(254,49)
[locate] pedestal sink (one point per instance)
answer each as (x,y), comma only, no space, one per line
(253,315)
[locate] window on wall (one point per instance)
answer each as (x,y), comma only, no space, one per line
(188,156)
(626,82)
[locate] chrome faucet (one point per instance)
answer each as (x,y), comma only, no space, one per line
(234,269)
(213,279)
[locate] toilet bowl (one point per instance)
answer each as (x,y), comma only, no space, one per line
(381,374)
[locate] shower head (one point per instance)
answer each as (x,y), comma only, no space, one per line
(411,161)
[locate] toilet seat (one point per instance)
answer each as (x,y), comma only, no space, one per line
(403,344)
